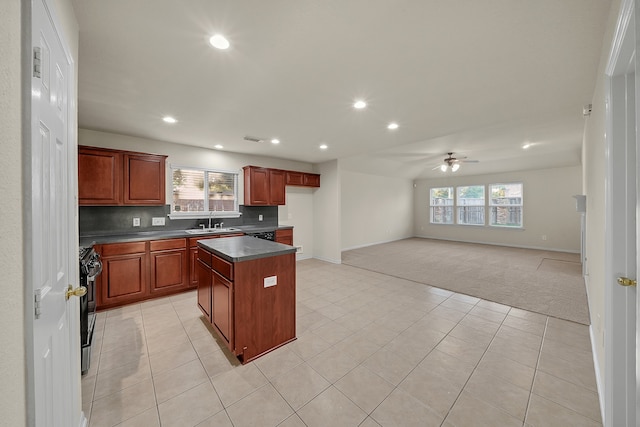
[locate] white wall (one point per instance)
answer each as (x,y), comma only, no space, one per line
(548,210)
(298,212)
(326,206)
(299,201)
(594,155)
(12,333)
(374,209)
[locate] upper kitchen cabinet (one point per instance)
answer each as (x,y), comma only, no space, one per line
(114,177)
(266,187)
(263,186)
(144,179)
(303,179)
(99,176)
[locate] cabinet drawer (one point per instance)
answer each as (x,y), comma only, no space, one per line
(223,267)
(204,256)
(163,245)
(114,249)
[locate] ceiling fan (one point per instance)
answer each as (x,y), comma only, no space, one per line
(453,163)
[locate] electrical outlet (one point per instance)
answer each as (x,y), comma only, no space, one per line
(299,249)
(544,237)
(136,222)
(157,220)
(259,217)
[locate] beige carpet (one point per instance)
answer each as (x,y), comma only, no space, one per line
(545,282)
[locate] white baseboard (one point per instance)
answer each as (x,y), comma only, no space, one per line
(374,243)
(594,353)
(599,379)
(501,244)
(332,261)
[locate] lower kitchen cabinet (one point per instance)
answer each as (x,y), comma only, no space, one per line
(169,264)
(204,278)
(285,236)
(252,302)
(222,309)
(124,277)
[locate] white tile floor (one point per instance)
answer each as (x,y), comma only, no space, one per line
(372,350)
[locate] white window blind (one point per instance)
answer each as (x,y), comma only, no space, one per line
(203,191)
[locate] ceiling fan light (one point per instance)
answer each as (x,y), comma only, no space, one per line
(455,167)
(443,167)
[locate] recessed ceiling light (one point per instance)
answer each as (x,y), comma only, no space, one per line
(359,104)
(392,126)
(526,146)
(218,147)
(219,42)
(275,141)
(324,146)
(169,119)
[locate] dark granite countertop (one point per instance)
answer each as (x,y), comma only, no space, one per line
(244,248)
(90,240)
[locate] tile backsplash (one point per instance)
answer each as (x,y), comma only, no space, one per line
(97,220)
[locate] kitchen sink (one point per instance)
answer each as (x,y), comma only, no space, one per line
(212,230)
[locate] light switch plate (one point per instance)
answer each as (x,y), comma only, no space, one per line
(136,222)
(259,217)
(157,220)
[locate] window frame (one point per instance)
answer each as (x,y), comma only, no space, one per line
(452,206)
(487,207)
(520,205)
(458,207)
(206,213)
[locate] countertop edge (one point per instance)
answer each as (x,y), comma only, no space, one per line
(97,239)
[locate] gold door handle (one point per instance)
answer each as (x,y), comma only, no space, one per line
(624,281)
(77,292)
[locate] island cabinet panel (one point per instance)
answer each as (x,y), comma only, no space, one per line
(203,273)
(144,178)
(222,310)
(99,177)
(264,315)
(169,265)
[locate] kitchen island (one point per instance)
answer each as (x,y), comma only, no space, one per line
(247,291)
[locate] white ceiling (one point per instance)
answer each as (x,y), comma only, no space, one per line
(479,78)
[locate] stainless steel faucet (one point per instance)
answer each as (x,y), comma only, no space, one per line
(210,215)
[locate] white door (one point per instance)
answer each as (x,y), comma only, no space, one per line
(53,250)
(621,322)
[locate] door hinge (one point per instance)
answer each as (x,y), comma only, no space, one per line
(37,54)
(37,297)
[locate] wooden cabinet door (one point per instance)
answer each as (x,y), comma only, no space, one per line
(295,178)
(144,178)
(223,307)
(168,271)
(277,180)
(285,237)
(203,272)
(311,180)
(256,186)
(193,260)
(99,177)
(123,279)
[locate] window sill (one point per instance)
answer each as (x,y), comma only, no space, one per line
(204,215)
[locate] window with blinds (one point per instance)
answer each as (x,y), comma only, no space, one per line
(203,191)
